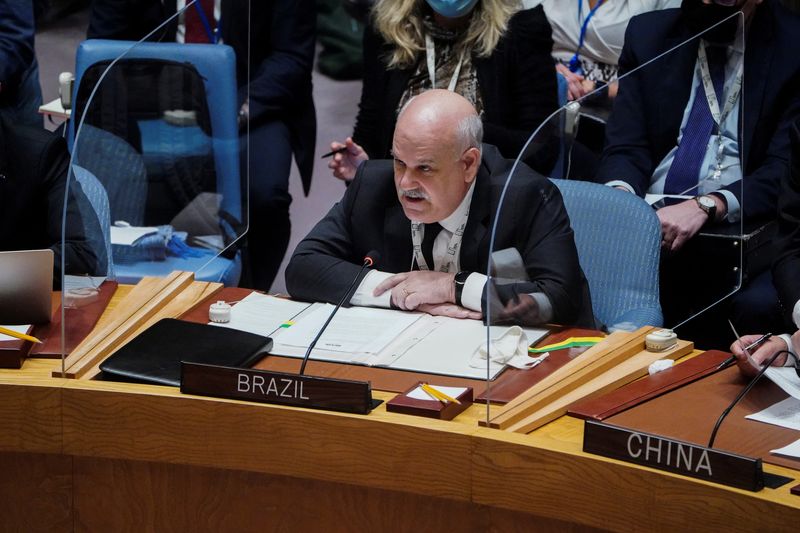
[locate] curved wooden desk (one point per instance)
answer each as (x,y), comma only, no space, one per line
(99,456)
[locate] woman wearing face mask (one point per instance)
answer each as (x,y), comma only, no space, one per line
(488,51)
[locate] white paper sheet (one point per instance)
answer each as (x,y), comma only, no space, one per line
(445,346)
(18,329)
(354,330)
(786,378)
(785,414)
(420,394)
(127,235)
(261,314)
(792,450)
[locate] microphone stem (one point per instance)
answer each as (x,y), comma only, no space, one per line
(741,395)
(333,313)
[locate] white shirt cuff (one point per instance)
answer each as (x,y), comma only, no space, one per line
(796,314)
(473,291)
(620,183)
(788,340)
(545,307)
(363,296)
(734,210)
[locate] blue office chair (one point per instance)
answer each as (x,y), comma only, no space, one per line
(216,66)
(618,237)
(98,202)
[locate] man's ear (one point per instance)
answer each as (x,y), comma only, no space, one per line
(471,159)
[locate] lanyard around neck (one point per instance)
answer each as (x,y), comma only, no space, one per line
(574,63)
(430,56)
(449,263)
(212,34)
(711,93)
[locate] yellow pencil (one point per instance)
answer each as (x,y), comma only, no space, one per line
(18,335)
(439,395)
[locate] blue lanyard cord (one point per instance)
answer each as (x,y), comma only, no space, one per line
(574,63)
(212,34)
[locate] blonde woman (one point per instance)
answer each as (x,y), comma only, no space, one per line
(489,51)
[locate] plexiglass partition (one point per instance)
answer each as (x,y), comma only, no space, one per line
(608,235)
(158,172)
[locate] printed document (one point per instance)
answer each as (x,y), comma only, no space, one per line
(785,414)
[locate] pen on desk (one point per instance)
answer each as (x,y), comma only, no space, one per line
(439,395)
(334,152)
(18,335)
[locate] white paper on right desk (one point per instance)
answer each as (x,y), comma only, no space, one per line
(786,378)
(785,413)
(354,330)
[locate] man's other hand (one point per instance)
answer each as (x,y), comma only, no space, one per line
(344,164)
(413,289)
(749,366)
(679,223)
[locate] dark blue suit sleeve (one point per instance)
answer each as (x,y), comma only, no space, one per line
(280,81)
(627,153)
(323,264)
(16,40)
(787,265)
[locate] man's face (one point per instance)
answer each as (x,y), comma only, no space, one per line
(430,175)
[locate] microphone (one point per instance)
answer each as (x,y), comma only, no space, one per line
(749,386)
(369,261)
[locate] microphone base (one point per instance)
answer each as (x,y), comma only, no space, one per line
(280,388)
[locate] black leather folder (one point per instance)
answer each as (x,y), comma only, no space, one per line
(155,355)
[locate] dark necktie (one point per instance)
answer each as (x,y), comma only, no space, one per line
(431,231)
(196,31)
(684,173)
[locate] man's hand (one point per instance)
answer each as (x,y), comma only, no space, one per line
(523,310)
(750,366)
(679,223)
(413,289)
(345,164)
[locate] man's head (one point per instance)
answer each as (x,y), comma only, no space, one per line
(436,150)
(703,14)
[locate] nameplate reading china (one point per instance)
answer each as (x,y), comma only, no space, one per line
(673,456)
(276,387)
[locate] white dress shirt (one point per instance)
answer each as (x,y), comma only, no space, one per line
(728,137)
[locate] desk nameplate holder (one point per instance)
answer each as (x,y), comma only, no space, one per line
(280,388)
(678,457)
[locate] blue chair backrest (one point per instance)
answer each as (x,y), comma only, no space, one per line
(96,194)
(119,168)
(618,237)
(217,65)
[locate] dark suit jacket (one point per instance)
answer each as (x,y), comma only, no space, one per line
(517,83)
(786,270)
(370,217)
(281,52)
(33,176)
(648,110)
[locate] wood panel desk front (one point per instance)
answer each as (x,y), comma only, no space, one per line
(97,456)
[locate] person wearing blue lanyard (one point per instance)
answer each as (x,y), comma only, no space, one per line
(588,36)
(279,112)
(664,135)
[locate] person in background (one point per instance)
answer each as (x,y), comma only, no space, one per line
(786,276)
(278,39)
(20,92)
(588,36)
(33,178)
(491,53)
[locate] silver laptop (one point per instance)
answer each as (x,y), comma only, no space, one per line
(26,285)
